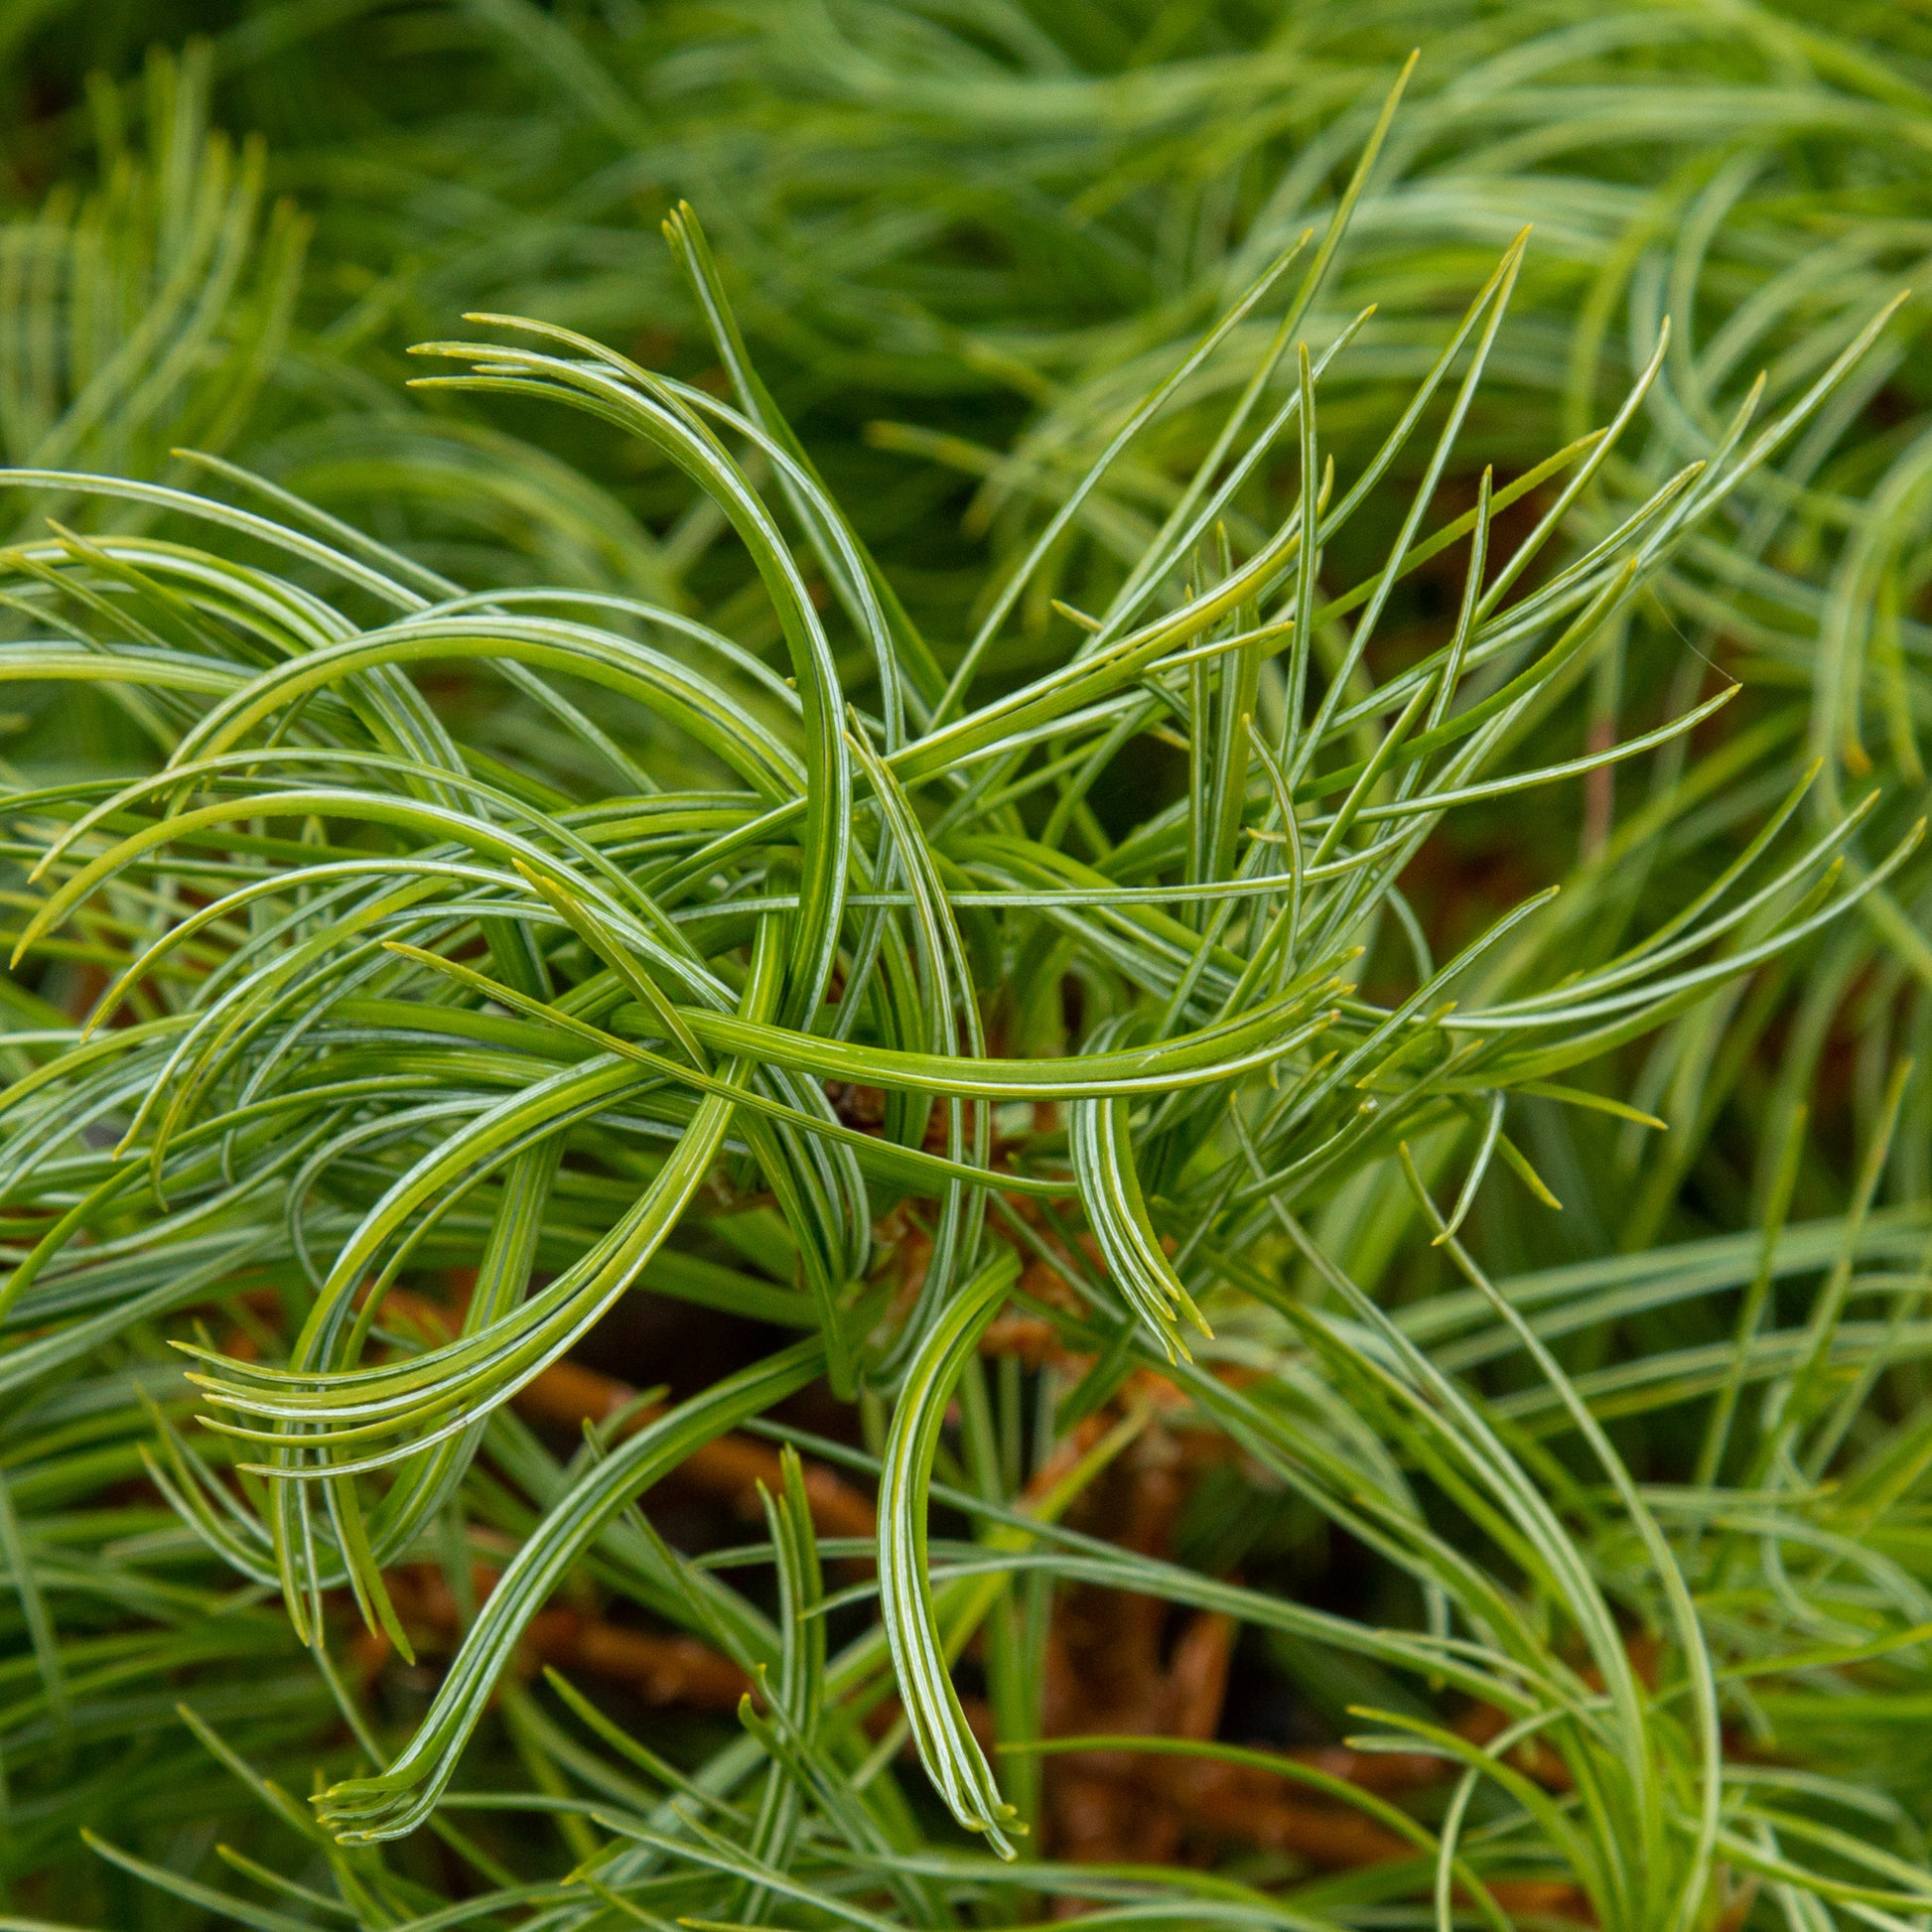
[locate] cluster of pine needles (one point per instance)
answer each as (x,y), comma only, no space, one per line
(969,964)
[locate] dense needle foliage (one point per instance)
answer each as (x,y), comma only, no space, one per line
(785,1148)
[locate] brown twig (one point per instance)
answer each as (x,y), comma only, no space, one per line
(661,1670)
(727,1470)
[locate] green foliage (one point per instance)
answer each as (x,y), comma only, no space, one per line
(1393,715)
